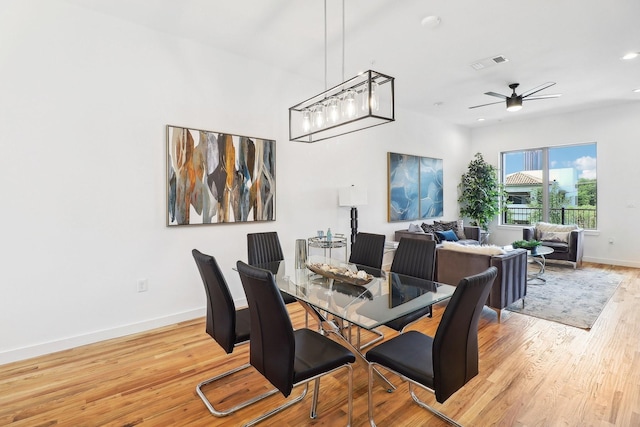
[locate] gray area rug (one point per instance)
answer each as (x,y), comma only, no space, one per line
(572,297)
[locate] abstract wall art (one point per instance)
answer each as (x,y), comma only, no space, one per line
(216,177)
(414,187)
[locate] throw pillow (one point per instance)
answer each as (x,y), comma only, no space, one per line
(446,225)
(555,236)
(456,226)
(428,228)
(460,230)
(448,235)
(484,250)
(542,227)
(415,228)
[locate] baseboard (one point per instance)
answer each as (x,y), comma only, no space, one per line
(93,337)
(622,263)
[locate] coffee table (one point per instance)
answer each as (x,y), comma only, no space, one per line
(537,256)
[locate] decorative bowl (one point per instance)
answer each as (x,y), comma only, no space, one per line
(341,274)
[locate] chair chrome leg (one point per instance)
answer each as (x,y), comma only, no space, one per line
(314,402)
(279,408)
(304,393)
(431,409)
(350,396)
(411,383)
(221,413)
(370,386)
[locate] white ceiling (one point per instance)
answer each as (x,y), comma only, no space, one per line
(575,43)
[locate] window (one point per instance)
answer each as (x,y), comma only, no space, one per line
(553,184)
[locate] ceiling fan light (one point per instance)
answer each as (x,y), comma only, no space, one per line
(514,104)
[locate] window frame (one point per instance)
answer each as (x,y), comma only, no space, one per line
(572,213)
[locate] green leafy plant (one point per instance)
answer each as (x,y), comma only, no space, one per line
(482,196)
(526,244)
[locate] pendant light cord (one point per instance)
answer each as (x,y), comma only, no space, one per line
(342,40)
(325,45)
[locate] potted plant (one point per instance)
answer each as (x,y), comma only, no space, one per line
(481,193)
(529,245)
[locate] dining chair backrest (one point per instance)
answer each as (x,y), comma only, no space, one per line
(221,311)
(263,248)
(455,345)
(415,257)
(367,251)
(272,345)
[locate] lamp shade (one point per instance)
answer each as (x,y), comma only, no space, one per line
(352,196)
(514,103)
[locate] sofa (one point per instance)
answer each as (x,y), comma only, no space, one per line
(566,240)
(454,262)
(469,235)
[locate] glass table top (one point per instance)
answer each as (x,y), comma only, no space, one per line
(369,305)
(541,251)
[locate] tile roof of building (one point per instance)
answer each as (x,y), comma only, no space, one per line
(522,178)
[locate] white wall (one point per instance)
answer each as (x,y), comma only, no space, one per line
(84,104)
(615,130)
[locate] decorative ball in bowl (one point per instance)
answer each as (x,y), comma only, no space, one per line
(526,244)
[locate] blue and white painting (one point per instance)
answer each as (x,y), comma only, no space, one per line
(430,187)
(415,187)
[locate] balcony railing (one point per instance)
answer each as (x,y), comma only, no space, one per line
(585,218)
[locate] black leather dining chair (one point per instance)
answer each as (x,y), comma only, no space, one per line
(285,357)
(446,362)
(226,325)
(415,258)
(264,248)
(367,253)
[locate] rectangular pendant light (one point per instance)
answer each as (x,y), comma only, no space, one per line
(362,102)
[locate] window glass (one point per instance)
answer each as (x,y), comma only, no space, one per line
(557,185)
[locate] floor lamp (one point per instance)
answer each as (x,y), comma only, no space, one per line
(353,196)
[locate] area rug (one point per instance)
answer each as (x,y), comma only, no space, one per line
(572,297)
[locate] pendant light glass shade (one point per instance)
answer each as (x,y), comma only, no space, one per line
(362,102)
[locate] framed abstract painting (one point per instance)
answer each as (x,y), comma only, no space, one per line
(216,177)
(414,187)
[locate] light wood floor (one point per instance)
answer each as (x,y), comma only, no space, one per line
(532,373)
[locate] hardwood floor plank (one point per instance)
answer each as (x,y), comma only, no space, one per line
(532,373)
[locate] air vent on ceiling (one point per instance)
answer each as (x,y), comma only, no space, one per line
(489,62)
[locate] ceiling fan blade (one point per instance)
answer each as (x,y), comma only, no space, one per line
(537,89)
(499,95)
(484,105)
(555,95)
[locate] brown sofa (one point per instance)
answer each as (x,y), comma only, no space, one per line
(510,284)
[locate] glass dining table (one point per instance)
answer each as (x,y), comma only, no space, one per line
(332,297)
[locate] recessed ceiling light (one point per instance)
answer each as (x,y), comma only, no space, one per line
(637,90)
(481,119)
(631,55)
(430,21)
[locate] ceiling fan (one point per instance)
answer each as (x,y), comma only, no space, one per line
(514,102)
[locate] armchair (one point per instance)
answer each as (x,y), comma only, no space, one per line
(566,240)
